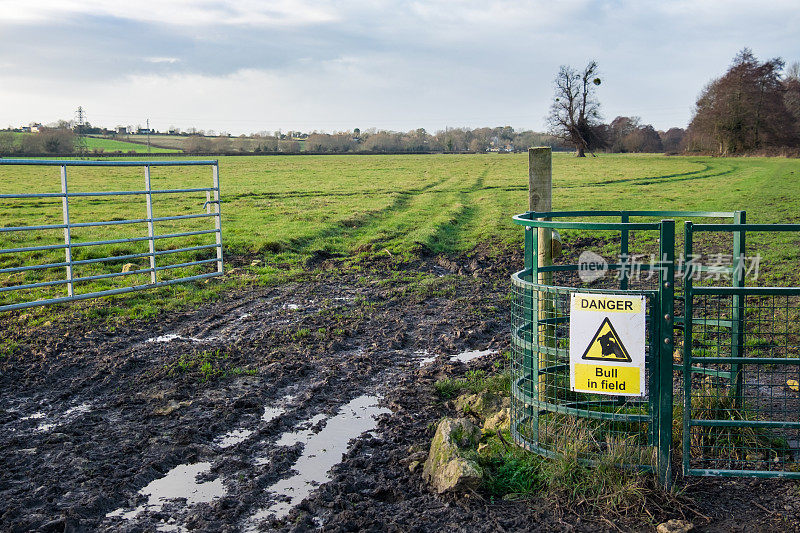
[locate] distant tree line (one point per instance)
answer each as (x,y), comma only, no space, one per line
(624,134)
(498,139)
(48,140)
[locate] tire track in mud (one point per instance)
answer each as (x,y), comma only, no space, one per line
(145,424)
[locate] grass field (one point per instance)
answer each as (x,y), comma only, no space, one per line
(108,145)
(178,142)
(111,145)
(171,143)
(283,210)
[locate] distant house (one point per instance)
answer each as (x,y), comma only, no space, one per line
(122,130)
(174,131)
(35,127)
(144,131)
(25,129)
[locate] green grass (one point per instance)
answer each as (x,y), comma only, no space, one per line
(510,472)
(206,366)
(286,209)
(112,145)
(108,145)
(473,381)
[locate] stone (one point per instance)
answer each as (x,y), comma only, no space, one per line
(501,420)
(484,404)
(171,407)
(445,469)
(413,465)
(675,526)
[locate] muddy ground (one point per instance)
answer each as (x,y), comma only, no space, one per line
(249,400)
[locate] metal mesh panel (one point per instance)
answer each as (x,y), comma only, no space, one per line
(741,396)
(549,418)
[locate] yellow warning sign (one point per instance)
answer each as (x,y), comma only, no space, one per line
(607,303)
(608,379)
(606,345)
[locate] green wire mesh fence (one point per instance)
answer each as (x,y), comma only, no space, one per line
(549,418)
(727,353)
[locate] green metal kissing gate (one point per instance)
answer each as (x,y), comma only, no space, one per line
(727,350)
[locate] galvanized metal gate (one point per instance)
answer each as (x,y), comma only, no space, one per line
(29,282)
(726,422)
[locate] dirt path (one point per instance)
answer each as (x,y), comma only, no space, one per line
(228,417)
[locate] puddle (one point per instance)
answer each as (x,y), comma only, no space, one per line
(34,416)
(240,435)
(69,414)
(293,437)
(180,482)
(244,316)
(167,527)
(126,515)
(468,356)
(169,337)
(271,413)
(291,307)
(83,408)
(425,357)
(233,437)
(322,451)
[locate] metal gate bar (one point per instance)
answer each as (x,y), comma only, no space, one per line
(739,416)
(69,245)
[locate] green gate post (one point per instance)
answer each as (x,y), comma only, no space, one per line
(737,311)
(530,381)
(688,302)
(623,252)
(666,322)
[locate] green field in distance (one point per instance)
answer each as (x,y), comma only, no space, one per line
(284,209)
(111,145)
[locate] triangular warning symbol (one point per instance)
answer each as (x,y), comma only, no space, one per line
(606,345)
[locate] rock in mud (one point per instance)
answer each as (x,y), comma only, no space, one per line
(675,526)
(445,469)
(501,420)
(484,404)
(171,407)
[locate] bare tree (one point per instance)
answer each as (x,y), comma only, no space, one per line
(793,72)
(791,95)
(575,112)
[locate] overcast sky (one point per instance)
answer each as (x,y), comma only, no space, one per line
(245,65)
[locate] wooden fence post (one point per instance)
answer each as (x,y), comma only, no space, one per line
(540,200)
